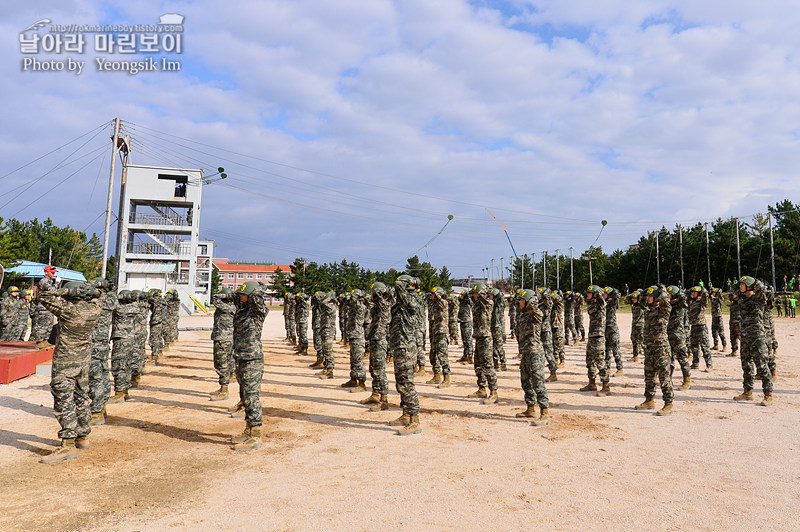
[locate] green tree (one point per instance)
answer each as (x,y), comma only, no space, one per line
(216,280)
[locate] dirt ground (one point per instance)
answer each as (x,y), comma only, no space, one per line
(164,462)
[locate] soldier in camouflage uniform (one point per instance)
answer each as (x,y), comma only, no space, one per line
(301,322)
(498,329)
(676,333)
(316,318)
(377,336)
(248,322)
(421,321)
(452,318)
(754,351)
(717,327)
(557,324)
(402,343)
(570,332)
(123,351)
(173,309)
(611,296)
(657,350)
(14,313)
(769,328)
(465,323)
(158,316)
(546,307)
(531,366)
(222,336)
(43,319)
(513,311)
(481,330)
(577,309)
(289,313)
(637,324)
(355,334)
(139,338)
(698,301)
(439,311)
(596,346)
(77,314)
(327,332)
(734,323)
(342,307)
(99,376)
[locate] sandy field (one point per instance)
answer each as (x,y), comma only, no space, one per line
(164,462)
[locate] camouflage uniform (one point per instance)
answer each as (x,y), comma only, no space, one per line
(342,306)
(248,322)
(637,327)
(14,312)
(717,328)
(123,330)
(557,325)
(734,324)
(452,318)
(301,320)
(546,306)
(531,366)
(481,331)
(577,314)
(754,351)
(99,377)
(699,332)
(465,323)
(570,332)
(498,330)
(222,336)
(612,329)
(316,315)
(158,317)
(289,313)
(419,331)
(676,333)
(439,332)
(69,383)
(381,314)
(769,329)
(43,318)
(173,309)
(355,334)
(402,345)
(513,311)
(327,328)
(596,345)
(657,359)
(140,336)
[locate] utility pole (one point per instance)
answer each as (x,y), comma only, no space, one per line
(492,273)
(533,275)
(522,277)
(591,280)
(558,274)
(121,207)
(738,255)
(658,261)
(571,272)
(50,257)
(502,269)
(680,239)
(114,149)
(544,269)
(708,257)
(771,250)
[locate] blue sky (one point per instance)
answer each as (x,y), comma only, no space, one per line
(352,129)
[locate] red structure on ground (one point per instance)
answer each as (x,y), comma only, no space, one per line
(19,359)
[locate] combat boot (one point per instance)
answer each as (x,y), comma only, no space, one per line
(303,351)
(492,399)
(437,378)
(715,347)
(420,371)
(251,443)
(480,392)
(496,365)
(219,395)
(544,419)
(648,404)
(233,376)
(243,436)
(665,410)
(155,360)
(553,377)
(694,365)
(445,382)
(98,418)
(503,367)
(382,404)
(413,427)
(560,363)
(463,359)
(375,397)
(65,452)
(617,373)
(471,359)
(591,387)
(605,390)
(746,395)
(118,397)
(359,387)
(325,374)
(530,411)
(634,358)
(404,419)
(575,341)
(316,365)
(767,401)
(237,411)
(82,442)
(687,383)
(349,384)
(733,353)
(135,381)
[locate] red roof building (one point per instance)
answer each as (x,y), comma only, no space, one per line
(232,274)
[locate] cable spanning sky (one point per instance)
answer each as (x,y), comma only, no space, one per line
(352,129)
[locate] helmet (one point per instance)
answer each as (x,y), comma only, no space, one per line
(495,292)
(226,291)
(70,285)
(478,287)
(247,288)
(673,290)
(594,289)
(437,289)
(154,291)
(747,280)
(544,291)
(27,292)
(655,291)
(13,289)
(101,282)
(125,295)
(613,293)
(696,289)
(529,296)
(405,281)
(358,293)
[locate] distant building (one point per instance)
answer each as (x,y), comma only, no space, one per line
(31,272)
(234,273)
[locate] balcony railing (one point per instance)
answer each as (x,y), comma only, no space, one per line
(148,248)
(148,218)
